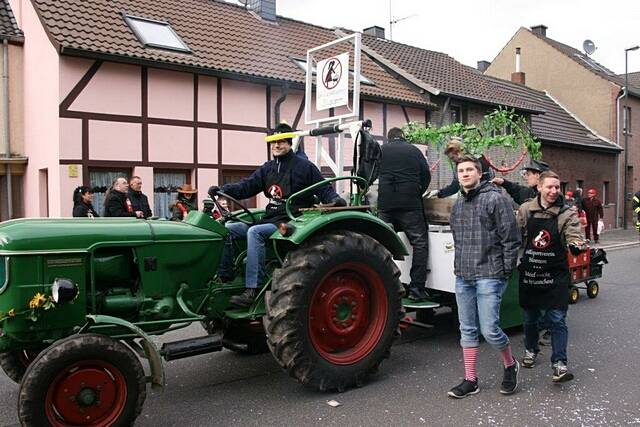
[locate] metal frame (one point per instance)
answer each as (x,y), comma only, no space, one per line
(355,107)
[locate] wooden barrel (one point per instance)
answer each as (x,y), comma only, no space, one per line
(438,211)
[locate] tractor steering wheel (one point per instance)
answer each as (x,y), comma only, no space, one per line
(228,216)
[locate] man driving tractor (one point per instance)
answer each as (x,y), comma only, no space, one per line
(277,179)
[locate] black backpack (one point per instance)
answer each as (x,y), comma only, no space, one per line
(366,157)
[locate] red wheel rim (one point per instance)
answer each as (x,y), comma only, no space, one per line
(348,313)
(87,393)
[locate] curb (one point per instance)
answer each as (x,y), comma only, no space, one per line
(621,245)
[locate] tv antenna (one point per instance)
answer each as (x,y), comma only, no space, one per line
(393,21)
(588,46)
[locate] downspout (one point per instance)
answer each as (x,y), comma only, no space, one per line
(620,190)
(283,96)
(5,122)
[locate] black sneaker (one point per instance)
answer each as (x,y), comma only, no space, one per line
(545,337)
(418,294)
(510,378)
(561,372)
(464,389)
(529,360)
(245,299)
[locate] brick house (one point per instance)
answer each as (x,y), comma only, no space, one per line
(12,159)
(593,93)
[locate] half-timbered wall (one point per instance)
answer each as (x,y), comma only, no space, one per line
(117,116)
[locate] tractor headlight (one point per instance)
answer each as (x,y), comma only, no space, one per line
(63,291)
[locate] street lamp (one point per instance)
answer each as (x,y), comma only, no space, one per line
(625,124)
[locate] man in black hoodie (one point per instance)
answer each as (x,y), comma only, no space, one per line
(139,200)
(521,193)
(404,177)
(117,202)
(277,179)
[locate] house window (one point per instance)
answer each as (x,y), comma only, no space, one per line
(606,198)
(165,190)
(231,176)
(156,33)
(99,181)
(303,65)
(627,120)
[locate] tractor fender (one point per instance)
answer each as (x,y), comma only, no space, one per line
(150,349)
(307,226)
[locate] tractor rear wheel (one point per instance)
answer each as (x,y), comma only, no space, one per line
(15,363)
(334,310)
(88,380)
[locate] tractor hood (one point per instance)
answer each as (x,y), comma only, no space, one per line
(82,234)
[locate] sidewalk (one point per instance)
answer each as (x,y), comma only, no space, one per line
(619,238)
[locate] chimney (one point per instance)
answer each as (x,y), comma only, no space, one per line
(483,65)
(374,31)
(266,9)
(540,30)
(518,76)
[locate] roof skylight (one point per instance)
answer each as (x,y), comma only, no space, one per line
(156,33)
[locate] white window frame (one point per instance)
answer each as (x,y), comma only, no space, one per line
(131,22)
(303,66)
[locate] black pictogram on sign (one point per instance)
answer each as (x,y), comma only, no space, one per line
(331,73)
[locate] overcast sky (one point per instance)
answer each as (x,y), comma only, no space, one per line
(471,30)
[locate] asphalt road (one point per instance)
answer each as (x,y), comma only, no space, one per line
(410,389)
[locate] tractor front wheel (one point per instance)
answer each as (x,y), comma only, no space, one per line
(15,363)
(334,310)
(83,380)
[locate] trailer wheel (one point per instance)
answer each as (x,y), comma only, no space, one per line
(334,310)
(592,289)
(574,295)
(15,363)
(88,380)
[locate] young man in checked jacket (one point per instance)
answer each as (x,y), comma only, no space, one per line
(486,241)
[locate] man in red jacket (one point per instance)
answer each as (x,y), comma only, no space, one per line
(592,207)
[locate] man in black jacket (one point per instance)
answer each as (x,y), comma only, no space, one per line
(277,179)
(520,193)
(404,177)
(117,202)
(139,201)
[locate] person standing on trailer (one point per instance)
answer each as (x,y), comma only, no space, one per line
(486,240)
(550,226)
(404,176)
(522,193)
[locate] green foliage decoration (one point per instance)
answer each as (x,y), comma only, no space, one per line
(502,128)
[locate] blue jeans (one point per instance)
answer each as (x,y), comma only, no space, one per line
(257,236)
(479,311)
(559,332)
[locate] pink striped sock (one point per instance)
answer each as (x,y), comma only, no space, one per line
(470,355)
(507,356)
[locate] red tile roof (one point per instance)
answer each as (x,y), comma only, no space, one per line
(8,27)
(223,37)
(444,73)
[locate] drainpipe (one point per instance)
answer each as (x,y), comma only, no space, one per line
(620,190)
(5,122)
(283,96)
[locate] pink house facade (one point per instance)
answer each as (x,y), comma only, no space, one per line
(90,116)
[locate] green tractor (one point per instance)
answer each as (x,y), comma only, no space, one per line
(80,299)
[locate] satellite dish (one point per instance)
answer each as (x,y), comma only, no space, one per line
(589,47)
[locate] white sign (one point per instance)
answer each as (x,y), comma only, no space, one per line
(332,84)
